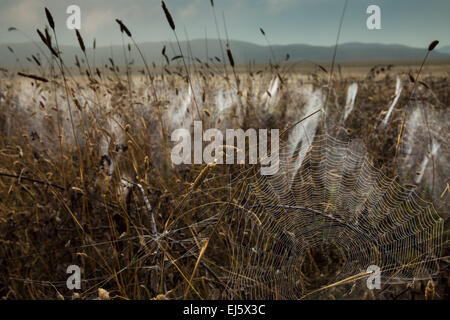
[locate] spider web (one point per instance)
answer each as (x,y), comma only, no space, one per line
(334,197)
(424,151)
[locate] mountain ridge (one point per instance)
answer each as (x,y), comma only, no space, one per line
(243,52)
(444,49)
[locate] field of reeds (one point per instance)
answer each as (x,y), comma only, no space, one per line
(86,176)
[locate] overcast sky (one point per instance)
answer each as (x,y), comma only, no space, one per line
(409,22)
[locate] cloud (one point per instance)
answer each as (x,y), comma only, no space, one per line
(278,6)
(25,12)
(94,20)
(192,9)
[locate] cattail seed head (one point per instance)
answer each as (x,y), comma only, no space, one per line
(80,40)
(230,57)
(168,16)
(36,60)
(433,45)
(48,36)
(32,76)
(47,41)
(50,20)
(123,28)
(41,36)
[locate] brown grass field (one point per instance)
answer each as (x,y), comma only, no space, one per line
(85,167)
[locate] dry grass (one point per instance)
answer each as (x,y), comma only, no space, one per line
(90,182)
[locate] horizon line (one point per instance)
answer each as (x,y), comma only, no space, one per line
(238,40)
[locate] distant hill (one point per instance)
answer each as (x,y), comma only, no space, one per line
(445,49)
(243,52)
